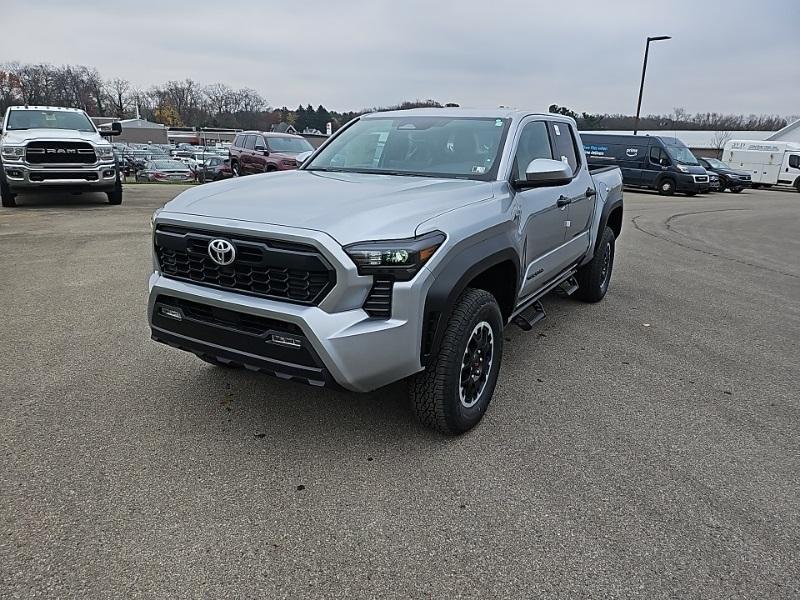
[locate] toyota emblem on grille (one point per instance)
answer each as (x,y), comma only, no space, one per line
(221,252)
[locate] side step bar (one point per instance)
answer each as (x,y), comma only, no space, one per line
(530,316)
(568,287)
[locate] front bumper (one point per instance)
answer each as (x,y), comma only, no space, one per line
(339,343)
(687,182)
(735,182)
(99,177)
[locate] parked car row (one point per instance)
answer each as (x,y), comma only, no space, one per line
(662,163)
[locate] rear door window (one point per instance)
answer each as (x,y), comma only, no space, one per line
(250,142)
(564,145)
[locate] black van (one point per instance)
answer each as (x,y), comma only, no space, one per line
(656,162)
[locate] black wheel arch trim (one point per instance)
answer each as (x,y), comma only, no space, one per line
(452,278)
(608,208)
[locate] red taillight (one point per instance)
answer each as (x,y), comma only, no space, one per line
(159,175)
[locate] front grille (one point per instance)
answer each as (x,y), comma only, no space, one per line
(701,178)
(379,301)
(49,175)
(41,153)
(267,268)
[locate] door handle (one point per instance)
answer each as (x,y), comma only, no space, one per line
(590,191)
(562,201)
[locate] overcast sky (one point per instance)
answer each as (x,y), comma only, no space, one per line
(348,54)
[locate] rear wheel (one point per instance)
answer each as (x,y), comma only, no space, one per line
(453,392)
(666,187)
(595,276)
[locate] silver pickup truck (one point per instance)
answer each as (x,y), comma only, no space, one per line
(401,248)
(53,149)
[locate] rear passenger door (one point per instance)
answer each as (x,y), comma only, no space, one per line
(579,192)
(540,219)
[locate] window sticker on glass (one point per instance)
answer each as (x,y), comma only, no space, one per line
(558,131)
(478,170)
(498,123)
(50,116)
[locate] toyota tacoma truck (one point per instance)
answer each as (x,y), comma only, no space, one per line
(400,249)
(51,149)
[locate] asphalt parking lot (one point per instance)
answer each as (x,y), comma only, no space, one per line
(644,447)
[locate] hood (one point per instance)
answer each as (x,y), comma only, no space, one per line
(21,136)
(350,207)
(729,172)
(694,169)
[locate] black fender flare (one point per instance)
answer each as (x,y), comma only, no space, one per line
(608,208)
(452,278)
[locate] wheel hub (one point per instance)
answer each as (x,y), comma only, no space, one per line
(476,364)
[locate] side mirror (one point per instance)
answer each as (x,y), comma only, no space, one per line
(262,149)
(545,172)
(303,157)
(116,129)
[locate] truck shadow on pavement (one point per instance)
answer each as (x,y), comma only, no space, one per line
(34,201)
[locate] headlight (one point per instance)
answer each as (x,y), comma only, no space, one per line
(683,169)
(400,258)
(105,152)
(13,152)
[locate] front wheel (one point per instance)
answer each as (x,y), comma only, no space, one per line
(453,392)
(7,199)
(115,196)
(737,190)
(666,187)
(595,276)
(235,169)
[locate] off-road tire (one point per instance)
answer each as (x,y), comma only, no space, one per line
(595,276)
(666,187)
(7,199)
(115,196)
(434,393)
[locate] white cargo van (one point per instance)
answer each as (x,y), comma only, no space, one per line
(769,163)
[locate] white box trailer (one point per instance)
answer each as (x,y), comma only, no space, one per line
(769,163)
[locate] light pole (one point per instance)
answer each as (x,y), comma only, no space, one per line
(644,69)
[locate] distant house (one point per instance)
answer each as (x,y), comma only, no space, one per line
(312,131)
(284,127)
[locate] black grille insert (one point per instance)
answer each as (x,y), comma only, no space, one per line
(63,153)
(379,301)
(267,268)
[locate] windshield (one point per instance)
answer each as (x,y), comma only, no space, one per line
(420,146)
(682,155)
(168,164)
(716,164)
(49,119)
(287,144)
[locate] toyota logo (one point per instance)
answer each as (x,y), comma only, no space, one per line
(221,252)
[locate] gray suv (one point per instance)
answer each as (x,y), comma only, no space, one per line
(401,248)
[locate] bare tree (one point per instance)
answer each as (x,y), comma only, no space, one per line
(119,92)
(719,139)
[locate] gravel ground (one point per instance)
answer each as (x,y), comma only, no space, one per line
(644,447)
